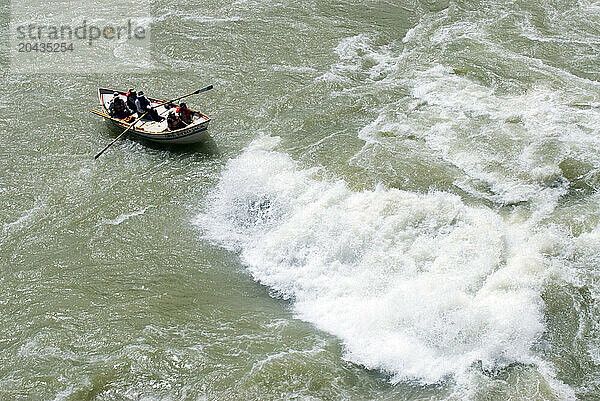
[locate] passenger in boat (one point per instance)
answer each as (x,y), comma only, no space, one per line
(174,122)
(184,113)
(118,108)
(131,97)
(143,106)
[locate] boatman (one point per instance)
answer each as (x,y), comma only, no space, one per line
(117,107)
(184,113)
(143,106)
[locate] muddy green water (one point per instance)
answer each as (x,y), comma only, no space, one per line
(399,201)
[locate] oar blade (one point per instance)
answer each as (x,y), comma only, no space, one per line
(209,87)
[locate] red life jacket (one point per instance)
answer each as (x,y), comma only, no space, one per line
(187,113)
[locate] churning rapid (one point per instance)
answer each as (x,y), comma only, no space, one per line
(477,214)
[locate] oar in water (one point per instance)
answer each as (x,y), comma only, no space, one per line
(209,87)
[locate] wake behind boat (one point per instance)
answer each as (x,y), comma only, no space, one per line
(155,131)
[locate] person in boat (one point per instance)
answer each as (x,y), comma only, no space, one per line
(184,113)
(118,108)
(143,106)
(174,122)
(131,97)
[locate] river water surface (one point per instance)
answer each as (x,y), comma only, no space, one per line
(399,201)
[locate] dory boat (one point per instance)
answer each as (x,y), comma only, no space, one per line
(152,130)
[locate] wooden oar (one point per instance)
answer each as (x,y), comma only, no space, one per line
(209,87)
(117,138)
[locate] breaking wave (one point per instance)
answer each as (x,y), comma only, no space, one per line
(420,286)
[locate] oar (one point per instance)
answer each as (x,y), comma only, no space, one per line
(209,87)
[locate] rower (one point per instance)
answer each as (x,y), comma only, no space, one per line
(143,106)
(184,113)
(117,107)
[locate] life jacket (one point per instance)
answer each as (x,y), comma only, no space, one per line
(173,121)
(185,112)
(131,96)
(142,104)
(119,105)
(144,101)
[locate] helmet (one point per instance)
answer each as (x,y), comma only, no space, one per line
(141,93)
(116,94)
(182,105)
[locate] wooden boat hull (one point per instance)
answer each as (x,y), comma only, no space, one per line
(154,131)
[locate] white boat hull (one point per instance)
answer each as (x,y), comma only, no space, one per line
(198,134)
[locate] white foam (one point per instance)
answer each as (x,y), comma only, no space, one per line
(420,286)
(271,359)
(126,216)
(458,119)
(65,394)
(295,69)
(206,19)
(24,220)
(356,53)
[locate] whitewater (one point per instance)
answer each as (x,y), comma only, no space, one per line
(438,271)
